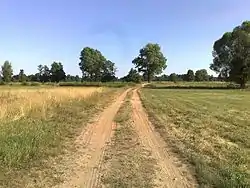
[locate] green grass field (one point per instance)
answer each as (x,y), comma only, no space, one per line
(208,128)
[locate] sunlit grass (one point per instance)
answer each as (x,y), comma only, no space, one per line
(40,123)
(211,128)
(17,103)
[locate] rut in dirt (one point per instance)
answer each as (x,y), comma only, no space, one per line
(171,173)
(91,146)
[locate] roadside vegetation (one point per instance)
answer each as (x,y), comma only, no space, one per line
(37,124)
(209,128)
(126,162)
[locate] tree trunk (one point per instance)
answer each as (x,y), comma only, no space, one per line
(243,85)
(148,78)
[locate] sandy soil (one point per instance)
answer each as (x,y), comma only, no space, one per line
(91,144)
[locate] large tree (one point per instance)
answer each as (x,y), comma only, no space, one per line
(201,75)
(7,71)
(95,67)
(91,63)
(189,76)
(44,73)
(232,55)
(57,72)
(150,61)
(108,72)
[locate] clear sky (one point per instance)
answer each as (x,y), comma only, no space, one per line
(34,32)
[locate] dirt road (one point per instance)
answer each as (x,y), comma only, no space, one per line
(85,164)
(91,143)
(171,173)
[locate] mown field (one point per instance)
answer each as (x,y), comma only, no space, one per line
(192,85)
(39,123)
(208,128)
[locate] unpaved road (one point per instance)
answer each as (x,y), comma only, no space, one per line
(171,173)
(91,145)
(85,164)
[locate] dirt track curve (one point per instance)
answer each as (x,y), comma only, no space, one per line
(171,173)
(86,163)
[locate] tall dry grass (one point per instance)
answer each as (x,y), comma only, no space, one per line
(40,123)
(18,103)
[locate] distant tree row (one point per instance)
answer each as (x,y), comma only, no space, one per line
(45,74)
(231,61)
(199,76)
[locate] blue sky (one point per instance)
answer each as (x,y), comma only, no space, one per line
(37,32)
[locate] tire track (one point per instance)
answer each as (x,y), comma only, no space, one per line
(90,149)
(168,175)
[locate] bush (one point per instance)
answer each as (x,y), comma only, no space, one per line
(25,84)
(2,83)
(233,86)
(35,84)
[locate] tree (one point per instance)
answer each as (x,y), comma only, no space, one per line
(15,78)
(77,78)
(91,63)
(201,75)
(173,77)
(95,67)
(57,72)
(190,76)
(22,77)
(7,71)
(71,78)
(44,73)
(109,71)
(34,77)
(150,61)
(232,55)
(133,76)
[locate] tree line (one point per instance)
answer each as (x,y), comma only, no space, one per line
(231,61)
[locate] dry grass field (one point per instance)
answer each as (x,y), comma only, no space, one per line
(19,102)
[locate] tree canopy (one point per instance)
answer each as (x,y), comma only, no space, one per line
(44,73)
(189,76)
(6,71)
(95,67)
(150,61)
(232,55)
(22,77)
(133,76)
(201,75)
(173,77)
(57,72)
